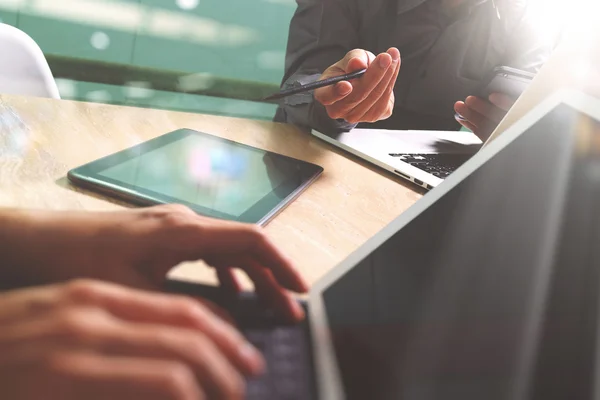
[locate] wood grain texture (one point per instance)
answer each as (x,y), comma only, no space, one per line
(41,139)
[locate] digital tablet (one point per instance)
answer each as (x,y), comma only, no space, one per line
(213,176)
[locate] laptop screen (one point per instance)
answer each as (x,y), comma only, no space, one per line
(490,292)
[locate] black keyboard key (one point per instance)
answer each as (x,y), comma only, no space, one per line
(440,165)
(258,340)
(287,388)
(288,372)
(258,389)
(284,367)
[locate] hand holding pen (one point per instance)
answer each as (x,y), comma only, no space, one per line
(358,88)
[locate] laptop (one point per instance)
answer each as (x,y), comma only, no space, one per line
(487,288)
(422,157)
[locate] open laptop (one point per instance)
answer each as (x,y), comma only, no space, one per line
(423,157)
(487,288)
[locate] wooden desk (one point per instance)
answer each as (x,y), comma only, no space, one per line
(40,140)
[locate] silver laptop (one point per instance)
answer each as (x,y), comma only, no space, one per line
(422,157)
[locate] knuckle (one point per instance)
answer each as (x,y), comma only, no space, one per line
(82,290)
(72,324)
(178,382)
(354,53)
(175,208)
(235,387)
(353,118)
(198,345)
(174,220)
(170,212)
(258,235)
(190,309)
(333,114)
(225,377)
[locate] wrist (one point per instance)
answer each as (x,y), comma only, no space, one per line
(41,247)
(17,244)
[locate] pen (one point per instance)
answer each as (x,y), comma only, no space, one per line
(315,85)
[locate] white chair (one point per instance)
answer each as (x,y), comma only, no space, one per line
(23,67)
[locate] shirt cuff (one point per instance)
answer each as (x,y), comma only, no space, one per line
(302,109)
(299,80)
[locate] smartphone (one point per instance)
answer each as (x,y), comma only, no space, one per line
(509,81)
(506,80)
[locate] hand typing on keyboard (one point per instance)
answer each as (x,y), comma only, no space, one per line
(288,370)
(85,339)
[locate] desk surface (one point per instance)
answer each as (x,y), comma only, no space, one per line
(41,139)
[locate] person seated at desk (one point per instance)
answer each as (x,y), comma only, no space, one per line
(96,339)
(431,54)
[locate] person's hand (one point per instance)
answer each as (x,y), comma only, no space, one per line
(92,340)
(481,116)
(366,99)
(138,247)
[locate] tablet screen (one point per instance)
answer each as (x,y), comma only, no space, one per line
(215,176)
(204,171)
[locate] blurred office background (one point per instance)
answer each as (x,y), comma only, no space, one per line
(206,56)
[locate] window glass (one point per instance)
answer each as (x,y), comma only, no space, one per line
(206,56)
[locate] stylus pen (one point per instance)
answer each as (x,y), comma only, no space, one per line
(315,85)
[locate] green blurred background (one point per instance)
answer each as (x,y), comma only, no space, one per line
(205,56)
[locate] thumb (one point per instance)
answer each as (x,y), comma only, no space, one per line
(354,60)
(502,101)
(329,95)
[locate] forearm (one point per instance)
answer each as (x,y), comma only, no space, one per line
(16,230)
(36,246)
(321,33)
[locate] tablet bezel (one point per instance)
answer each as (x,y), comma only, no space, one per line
(88,176)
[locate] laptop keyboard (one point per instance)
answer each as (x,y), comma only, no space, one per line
(440,165)
(288,373)
(286,348)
